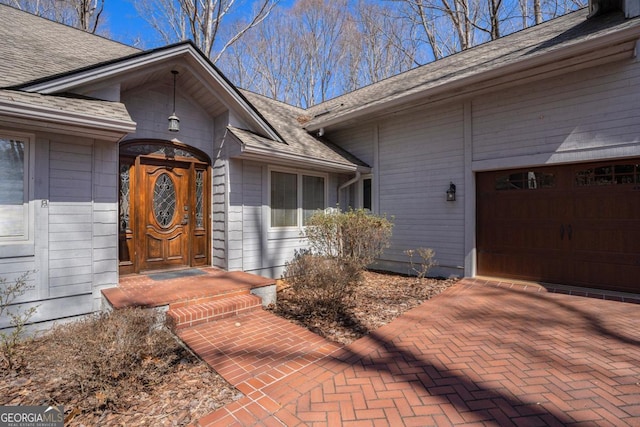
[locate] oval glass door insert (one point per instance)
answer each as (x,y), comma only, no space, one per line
(164,200)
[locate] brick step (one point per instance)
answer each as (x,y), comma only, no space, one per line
(204,299)
(191,315)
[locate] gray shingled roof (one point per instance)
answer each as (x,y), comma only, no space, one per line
(284,118)
(32,48)
(562,32)
(113,111)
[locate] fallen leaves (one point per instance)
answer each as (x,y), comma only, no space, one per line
(380,298)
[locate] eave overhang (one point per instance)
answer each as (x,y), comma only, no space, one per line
(616,46)
(185,54)
(36,117)
(296,160)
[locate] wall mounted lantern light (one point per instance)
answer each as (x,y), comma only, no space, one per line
(174,121)
(451,192)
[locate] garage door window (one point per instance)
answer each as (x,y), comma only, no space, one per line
(525,180)
(608,175)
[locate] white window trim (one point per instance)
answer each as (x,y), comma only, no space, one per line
(23,245)
(299,173)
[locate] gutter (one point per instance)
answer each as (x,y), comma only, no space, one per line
(293,159)
(352,181)
(65,120)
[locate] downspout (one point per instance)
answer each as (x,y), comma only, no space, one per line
(352,181)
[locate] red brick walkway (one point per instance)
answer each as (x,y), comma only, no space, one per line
(478,355)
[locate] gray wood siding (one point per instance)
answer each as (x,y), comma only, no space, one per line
(151,105)
(234,215)
(358,141)
(71,210)
(105,219)
(76,228)
(252,246)
(575,117)
(218,214)
(420,153)
(252,219)
(219,169)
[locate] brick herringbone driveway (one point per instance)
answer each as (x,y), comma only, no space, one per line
(475,355)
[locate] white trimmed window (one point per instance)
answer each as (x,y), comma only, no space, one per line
(295,197)
(14,188)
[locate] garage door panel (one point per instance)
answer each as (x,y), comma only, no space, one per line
(523,266)
(577,224)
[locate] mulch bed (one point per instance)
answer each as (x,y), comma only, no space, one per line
(191,389)
(380,298)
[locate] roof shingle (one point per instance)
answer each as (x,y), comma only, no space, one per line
(285,118)
(536,41)
(32,48)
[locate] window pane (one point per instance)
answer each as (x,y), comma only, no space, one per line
(366,194)
(284,199)
(312,195)
(528,180)
(12,188)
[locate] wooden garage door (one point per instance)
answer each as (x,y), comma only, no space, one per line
(576,225)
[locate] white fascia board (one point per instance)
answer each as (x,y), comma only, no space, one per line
(66,121)
(153,58)
(237,98)
(567,52)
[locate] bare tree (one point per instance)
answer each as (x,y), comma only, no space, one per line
(449,26)
(201,20)
(317,49)
(265,61)
(381,45)
(83,14)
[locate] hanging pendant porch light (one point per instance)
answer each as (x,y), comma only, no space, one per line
(174,121)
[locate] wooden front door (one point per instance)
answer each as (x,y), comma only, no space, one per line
(164,217)
(164,207)
(576,224)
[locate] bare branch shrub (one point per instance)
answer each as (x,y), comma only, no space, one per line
(341,245)
(18,320)
(424,261)
(321,283)
(103,354)
(355,236)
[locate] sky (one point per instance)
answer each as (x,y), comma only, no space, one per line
(124,24)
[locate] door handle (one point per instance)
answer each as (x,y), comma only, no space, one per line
(561,231)
(570,231)
(185,219)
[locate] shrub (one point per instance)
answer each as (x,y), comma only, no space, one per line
(10,339)
(424,263)
(321,283)
(341,245)
(104,353)
(355,236)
